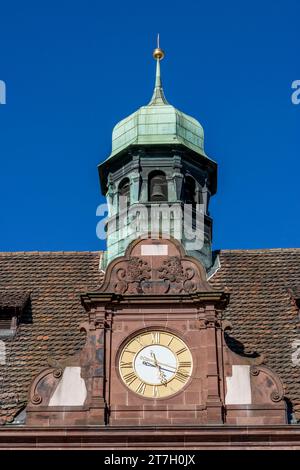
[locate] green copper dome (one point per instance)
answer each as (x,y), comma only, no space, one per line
(158,123)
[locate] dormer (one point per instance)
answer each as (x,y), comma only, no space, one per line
(12,305)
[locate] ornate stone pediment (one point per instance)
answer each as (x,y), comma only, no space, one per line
(155,267)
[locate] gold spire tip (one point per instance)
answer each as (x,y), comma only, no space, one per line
(158,53)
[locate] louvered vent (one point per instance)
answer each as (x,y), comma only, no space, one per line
(5,320)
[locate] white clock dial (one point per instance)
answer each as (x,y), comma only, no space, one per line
(155,364)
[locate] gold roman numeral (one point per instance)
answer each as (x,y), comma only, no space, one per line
(181,376)
(139,340)
(185,364)
(141,388)
(170,341)
(128,351)
(182,350)
(155,391)
(155,336)
(130,378)
(126,365)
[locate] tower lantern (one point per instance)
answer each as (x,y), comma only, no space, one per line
(158,164)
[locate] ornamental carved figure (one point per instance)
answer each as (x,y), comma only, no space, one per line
(177,278)
(155,268)
(130,279)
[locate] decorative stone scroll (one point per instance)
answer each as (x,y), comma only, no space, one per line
(155,267)
(131,279)
(266,385)
(71,391)
(177,278)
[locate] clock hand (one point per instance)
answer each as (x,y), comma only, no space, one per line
(162,376)
(154,357)
(146,363)
(148,359)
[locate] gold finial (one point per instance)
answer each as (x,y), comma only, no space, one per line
(158,53)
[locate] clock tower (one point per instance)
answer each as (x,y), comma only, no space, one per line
(156,351)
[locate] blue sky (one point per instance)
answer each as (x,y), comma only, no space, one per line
(74,68)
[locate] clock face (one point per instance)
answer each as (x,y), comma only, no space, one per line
(155,364)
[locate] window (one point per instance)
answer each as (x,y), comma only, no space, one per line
(8,322)
(124,193)
(5,320)
(189,190)
(13,306)
(157,187)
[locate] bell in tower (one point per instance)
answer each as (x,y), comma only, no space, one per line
(158,191)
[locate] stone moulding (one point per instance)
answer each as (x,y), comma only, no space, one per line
(285,437)
(42,385)
(277,391)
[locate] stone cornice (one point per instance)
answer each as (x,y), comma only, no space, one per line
(152,437)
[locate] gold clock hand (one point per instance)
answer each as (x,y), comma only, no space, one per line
(154,357)
(166,365)
(147,363)
(158,362)
(161,369)
(161,374)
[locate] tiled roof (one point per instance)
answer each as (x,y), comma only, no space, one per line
(262,311)
(49,324)
(264,316)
